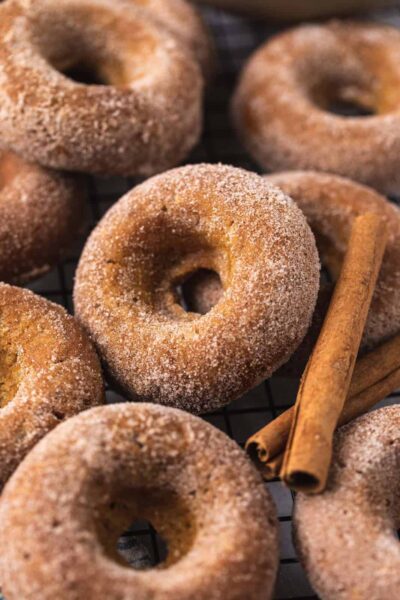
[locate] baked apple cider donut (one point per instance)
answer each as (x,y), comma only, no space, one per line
(354,522)
(48,372)
(291,88)
(41,213)
(197,217)
(140,114)
(121,463)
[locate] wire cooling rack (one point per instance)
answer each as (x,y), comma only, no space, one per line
(236,38)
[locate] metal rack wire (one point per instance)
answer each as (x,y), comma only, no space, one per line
(236,38)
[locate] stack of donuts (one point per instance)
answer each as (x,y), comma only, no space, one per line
(194,287)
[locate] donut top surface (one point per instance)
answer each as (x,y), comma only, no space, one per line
(131,461)
(197,217)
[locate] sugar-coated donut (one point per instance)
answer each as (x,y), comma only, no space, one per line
(48,372)
(281,106)
(330,204)
(197,217)
(59,526)
(143,117)
(40,214)
(346,537)
(185,22)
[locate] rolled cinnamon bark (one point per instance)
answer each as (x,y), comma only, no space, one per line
(375,376)
(326,381)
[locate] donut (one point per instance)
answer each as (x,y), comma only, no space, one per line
(330,204)
(41,212)
(346,537)
(186,24)
(140,114)
(283,105)
(128,461)
(48,372)
(296,10)
(197,217)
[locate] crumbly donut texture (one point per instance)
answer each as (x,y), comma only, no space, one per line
(145,118)
(41,212)
(346,537)
(197,217)
(281,105)
(330,205)
(48,372)
(123,462)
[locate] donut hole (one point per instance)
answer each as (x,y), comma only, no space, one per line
(200,291)
(145,528)
(141,546)
(90,70)
(171,258)
(348,108)
(85,73)
(345,99)
(92,47)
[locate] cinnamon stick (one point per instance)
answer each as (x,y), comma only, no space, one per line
(375,376)
(326,380)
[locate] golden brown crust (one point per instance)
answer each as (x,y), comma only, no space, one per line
(197,217)
(330,204)
(346,537)
(280,105)
(129,461)
(48,372)
(145,120)
(41,212)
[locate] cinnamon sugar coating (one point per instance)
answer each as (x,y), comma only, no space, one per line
(48,372)
(281,106)
(197,217)
(187,25)
(330,205)
(346,537)
(41,212)
(145,119)
(128,461)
